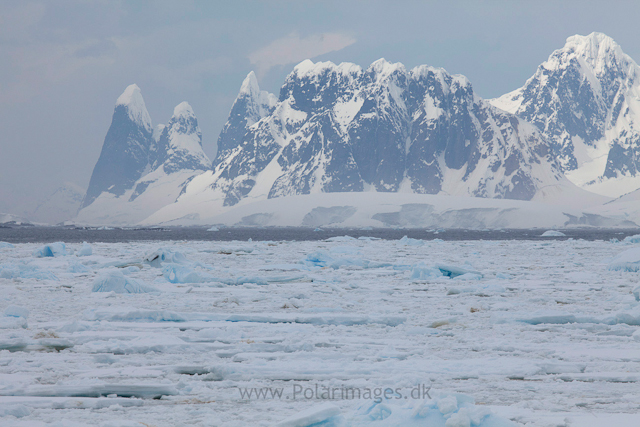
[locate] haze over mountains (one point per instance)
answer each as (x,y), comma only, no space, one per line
(568,135)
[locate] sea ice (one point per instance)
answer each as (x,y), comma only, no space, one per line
(25,271)
(157,257)
(553,233)
(528,339)
(85,250)
(326,259)
(16,311)
(115,281)
(423,272)
(632,239)
(324,415)
(628,260)
(51,250)
(17,411)
(76,267)
(455,271)
(179,273)
(5,245)
(411,242)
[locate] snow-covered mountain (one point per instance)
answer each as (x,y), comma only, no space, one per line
(586,99)
(61,205)
(171,159)
(125,152)
(341,128)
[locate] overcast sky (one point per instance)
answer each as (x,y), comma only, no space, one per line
(64,63)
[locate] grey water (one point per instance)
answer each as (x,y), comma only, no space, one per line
(37,234)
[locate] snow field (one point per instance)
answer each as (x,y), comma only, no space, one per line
(521,333)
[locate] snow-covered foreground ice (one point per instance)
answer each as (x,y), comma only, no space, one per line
(465,333)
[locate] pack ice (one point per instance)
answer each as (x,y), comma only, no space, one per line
(501,333)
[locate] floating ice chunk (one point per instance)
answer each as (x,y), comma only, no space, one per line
(17,411)
(133,315)
(341,239)
(447,405)
(628,260)
(16,311)
(9,271)
(76,326)
(325,259)
(115,281)
(85,250)
(408,241)
(25,271)
(156,258)
(13,323)
(144,391)
(214,228)
(445,411)
(177,273)
(455,271)
(469,276)
(325,415)
(629,318)
(553,233)
(636,293)
(76,267)
(33,272)
(51,250)
(422,272)
(632,239)
(6,245)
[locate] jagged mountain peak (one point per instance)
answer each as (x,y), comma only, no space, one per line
(594,48)
(249,107)
(383,69)
(180,144)
(183,110)
(250,85)
(132,100)
(254,103)
(308,68)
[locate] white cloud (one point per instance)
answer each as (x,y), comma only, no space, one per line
(293,48)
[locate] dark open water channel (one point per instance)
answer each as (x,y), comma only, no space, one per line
(22,234)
